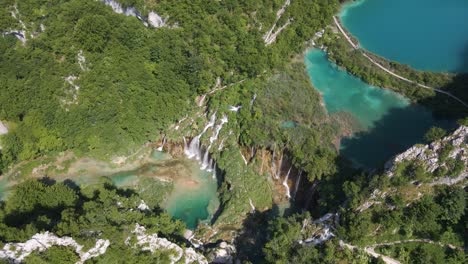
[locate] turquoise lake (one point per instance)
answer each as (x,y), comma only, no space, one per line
(389,123)
(425,34)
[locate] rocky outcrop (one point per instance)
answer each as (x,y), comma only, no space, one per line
(222,253)
(17,252)
(153,18)
(154,243)
(430,155)
(3,128)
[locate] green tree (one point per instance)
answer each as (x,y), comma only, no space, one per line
(435,133)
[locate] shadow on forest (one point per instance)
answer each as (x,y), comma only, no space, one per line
(254,235)
(44,212)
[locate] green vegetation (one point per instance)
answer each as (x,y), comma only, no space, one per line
(100,84)
(341,52)
(99,211)
(435,133)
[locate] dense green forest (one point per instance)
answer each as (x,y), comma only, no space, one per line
(99,211)
(100,83)
(77,77)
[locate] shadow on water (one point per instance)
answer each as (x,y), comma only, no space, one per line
(396,131)
(464,60)
(443,105)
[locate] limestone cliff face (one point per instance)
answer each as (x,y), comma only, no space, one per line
(431,155)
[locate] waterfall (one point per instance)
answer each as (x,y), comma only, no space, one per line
(194,150)
(221,145)
(285,183)
(253,100)
(245,160)
(251,206)
(218,128)
(160,148)
(210,166)
(297,184)
(202,99)
(210,123)
(214,172)
(273,165)
(278,172)
(205,162)
(235,108)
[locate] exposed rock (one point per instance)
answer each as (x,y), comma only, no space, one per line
(156,20)
(153,18)
(223,253)
(143,206)
(154,243)
(3,128)
(17,252)
(82,61)
(429,154)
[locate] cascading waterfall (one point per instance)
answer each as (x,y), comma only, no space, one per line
(205,162)
(297,184)
(214,170)
(278,172)
(221,145)
(218,128)
(285,183)
(160,148)
(253,100)
(273,164)
(195,150)
(243,157)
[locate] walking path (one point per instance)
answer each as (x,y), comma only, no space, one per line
(356,47)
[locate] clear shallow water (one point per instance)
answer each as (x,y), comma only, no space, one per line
(195,198)
(390,123)
(426,34)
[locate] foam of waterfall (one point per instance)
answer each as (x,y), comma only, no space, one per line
(221,145)
(285,183)
(205,161)
(297,184)
(235,108)
(278,172)
(245,160)
(273,164)
(210,167)
(193,150)
(160,148)
(253,100)
(218,128)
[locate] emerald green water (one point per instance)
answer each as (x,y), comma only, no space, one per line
(194,195)
(194,199)
(425,34)
(390,124)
